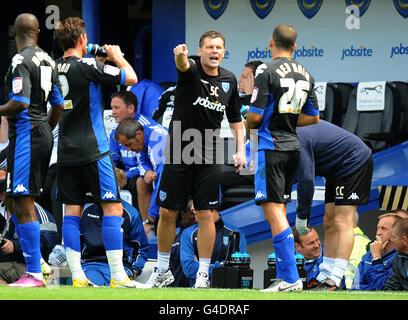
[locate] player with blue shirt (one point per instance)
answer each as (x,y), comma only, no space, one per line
(283,98)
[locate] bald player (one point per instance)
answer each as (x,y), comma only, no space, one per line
(283,98)
(31,81)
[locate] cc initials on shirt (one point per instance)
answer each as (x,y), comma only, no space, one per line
(340,191)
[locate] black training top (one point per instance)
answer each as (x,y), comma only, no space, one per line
(31,78)
(82,137)
(200,103)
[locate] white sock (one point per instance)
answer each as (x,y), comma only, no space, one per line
(163,260)
(116,264)
(325,269)
(74,263)
(204,265)
(338,270)
(39,276)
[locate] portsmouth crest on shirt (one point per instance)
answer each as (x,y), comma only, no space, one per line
(162,195)
(225,86)
(225,240)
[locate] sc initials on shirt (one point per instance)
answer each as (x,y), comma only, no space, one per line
(214,91)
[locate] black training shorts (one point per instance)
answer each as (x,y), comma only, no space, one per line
(274,174)
(353,189)
(92,182)
(179,181)
(27,161)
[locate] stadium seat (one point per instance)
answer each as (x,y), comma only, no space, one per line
(234,195)
(341,96)
(237,195)
(375,123)
(325,98)
(401,101)
(335,100)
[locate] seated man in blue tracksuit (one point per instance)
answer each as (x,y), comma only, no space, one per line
(124,105)
(135,245)
(188,218)
(345,161)
(147,138)
(375,266)
(189,251)
(310,247)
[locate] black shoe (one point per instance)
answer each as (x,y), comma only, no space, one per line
(313,283)
(327,285)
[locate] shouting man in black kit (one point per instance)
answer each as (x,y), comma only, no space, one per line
(204,92)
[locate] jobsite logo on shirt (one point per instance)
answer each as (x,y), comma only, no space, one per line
(206,103)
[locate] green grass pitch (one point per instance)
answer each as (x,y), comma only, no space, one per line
(104,293)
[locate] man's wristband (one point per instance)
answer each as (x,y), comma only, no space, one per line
(376,261)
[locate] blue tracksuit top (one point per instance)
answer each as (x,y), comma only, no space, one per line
(327,151)
(180,280)
(155,136)
(135,244)
(312,267)
(134,165)
(373,276)
(130,159)
(189,250)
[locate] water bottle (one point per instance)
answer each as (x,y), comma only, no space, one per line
(242,261)
(235,272)
(270,273)
(244,110)
(300,261)
(97,50)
